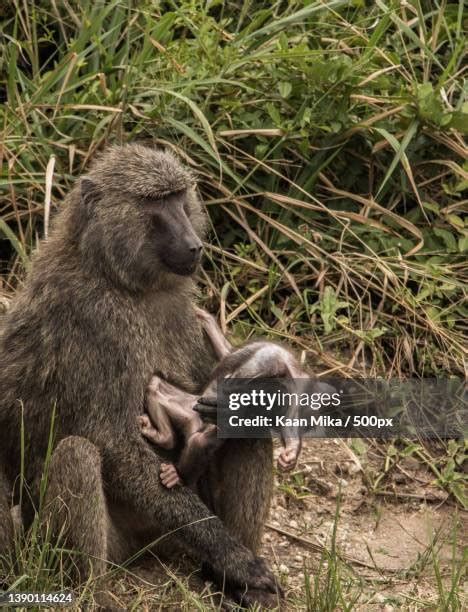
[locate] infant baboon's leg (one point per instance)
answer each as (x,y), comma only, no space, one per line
(158,429)
(177,407)
(287,459)
(75,509)
(244,466)
(197,453)
(221,346)
(6,520)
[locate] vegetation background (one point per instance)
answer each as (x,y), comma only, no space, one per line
(328,141)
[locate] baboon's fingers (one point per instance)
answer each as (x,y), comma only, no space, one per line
(169,475)
(201,314)
(172,482)
(168,471)
(285,466)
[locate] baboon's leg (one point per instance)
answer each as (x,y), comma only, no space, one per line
(179,411)
(168,408)
(6,520)
(131,472)
(162,431)
(75,508)
(241,485)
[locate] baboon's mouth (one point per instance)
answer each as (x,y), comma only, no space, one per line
(183,269)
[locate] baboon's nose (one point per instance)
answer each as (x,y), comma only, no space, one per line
(195,250)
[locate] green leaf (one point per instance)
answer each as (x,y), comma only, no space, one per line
(456,220)
(459,122)
(16,244)
(285,88)
(448,238)
(432,206)
(429,103)
(399,149)
(369,335)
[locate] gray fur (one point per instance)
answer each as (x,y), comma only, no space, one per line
(97,318)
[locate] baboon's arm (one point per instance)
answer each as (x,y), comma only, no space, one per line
(131,472)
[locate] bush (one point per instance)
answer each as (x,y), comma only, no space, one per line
(328,141)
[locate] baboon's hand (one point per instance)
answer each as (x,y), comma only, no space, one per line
(289,454)
(247,580)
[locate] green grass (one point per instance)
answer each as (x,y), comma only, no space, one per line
(328,141)
(332,585)
(329,582)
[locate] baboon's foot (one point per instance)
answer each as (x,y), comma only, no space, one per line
(169,475)
(258,589)
(288,458)
(149,431)
(146,426)
(154,384)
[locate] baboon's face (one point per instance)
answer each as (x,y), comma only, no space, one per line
(171,232)
(138,218)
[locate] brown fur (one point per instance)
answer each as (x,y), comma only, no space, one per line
(98,316)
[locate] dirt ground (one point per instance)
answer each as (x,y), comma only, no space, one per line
(383,538)
(386,541)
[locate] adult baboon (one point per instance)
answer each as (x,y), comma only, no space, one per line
(109,302)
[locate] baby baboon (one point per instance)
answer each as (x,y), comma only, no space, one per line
(109,303)
(169,407)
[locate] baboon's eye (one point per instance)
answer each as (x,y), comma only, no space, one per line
(187,210)
(151,201)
